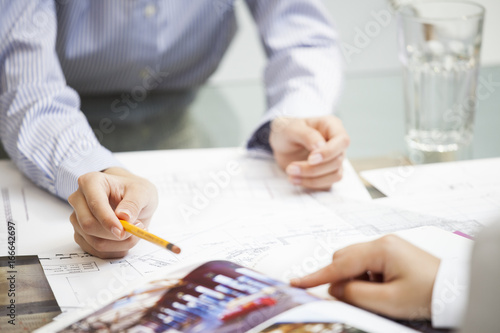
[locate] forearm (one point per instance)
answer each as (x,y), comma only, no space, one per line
(304,71)
(42,129)
(303,83)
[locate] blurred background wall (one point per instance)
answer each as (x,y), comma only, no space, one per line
(245,59)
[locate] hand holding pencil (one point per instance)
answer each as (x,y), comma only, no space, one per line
(101,200)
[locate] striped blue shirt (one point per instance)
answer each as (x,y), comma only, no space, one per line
(52,51)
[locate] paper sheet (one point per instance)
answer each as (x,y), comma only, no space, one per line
(444,178)
(465,190)
(480,206)
(191,181)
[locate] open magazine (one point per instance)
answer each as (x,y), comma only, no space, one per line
(221,296)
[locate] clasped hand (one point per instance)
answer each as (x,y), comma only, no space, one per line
(310,150)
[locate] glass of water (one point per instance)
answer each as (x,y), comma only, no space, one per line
(439,45)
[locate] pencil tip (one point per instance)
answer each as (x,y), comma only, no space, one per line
(176,249)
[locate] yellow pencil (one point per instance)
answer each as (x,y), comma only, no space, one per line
(141,233)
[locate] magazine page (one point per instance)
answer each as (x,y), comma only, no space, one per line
(222,297)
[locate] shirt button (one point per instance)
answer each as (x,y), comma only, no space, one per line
(144,73)
(150,10)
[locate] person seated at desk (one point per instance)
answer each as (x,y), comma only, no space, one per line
(55,53)
(392,277)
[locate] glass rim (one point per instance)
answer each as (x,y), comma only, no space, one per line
(479,14)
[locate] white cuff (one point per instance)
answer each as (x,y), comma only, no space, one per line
(450,293)
(96,159)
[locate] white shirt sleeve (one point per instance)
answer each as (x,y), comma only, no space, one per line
(483,312)
(450,293)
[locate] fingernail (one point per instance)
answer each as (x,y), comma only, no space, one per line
(319,144)
(125,212)
(315,159)
(295,281)
(117,232)
(296,181)
(140,225)
(293,170)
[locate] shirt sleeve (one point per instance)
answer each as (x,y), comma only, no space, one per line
(450,293)
(41,126)
(483,313)
(303,75)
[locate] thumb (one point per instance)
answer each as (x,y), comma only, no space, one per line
(307,136)
(129,208)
